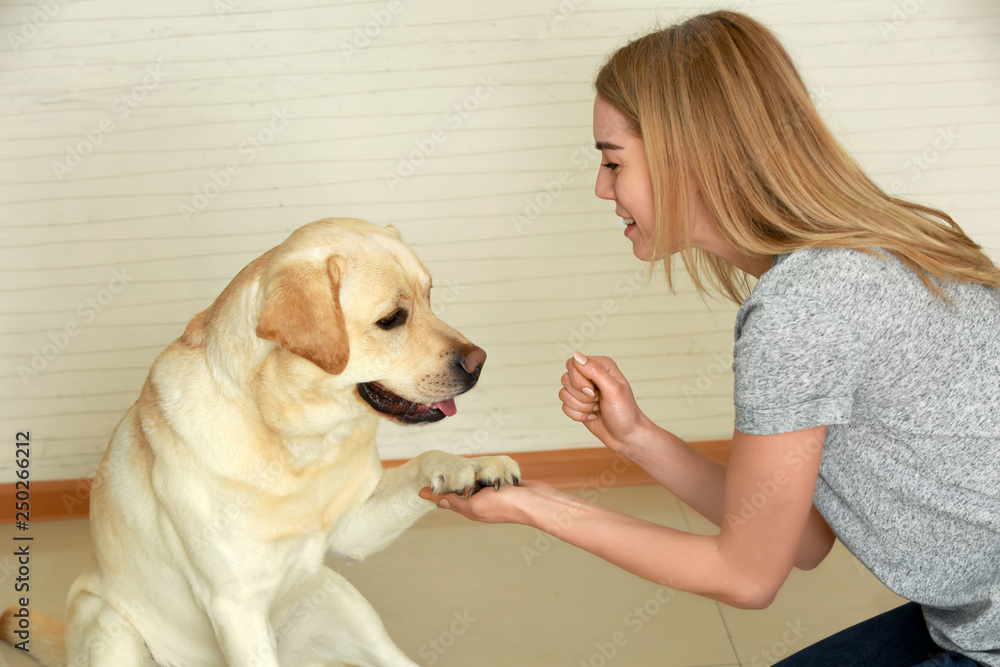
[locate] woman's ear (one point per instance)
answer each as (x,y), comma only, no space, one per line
(302,314)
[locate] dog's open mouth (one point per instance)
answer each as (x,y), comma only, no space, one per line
(402,410)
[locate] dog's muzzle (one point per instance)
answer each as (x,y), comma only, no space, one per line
(404,411)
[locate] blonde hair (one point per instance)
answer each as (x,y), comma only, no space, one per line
(718,99)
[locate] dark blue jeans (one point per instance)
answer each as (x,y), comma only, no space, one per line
(897,638)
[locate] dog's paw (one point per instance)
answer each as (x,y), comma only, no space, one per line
(465,476)
(496,471)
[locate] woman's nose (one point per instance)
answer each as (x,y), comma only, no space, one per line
(603,189)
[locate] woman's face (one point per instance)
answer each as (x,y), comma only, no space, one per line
(624,177)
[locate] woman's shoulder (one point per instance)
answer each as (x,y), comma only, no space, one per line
(866,287)
(817,272)
(833,260)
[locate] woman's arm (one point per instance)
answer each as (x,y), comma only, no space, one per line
(697,480)
(768,497)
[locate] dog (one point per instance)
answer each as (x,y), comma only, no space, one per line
(250,454)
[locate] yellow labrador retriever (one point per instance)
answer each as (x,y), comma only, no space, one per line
(251,453)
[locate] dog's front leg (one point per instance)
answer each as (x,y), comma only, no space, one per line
(395,503)
(243,631)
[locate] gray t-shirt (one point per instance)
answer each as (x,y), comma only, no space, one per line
(910,390)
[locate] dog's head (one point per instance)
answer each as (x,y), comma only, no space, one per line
(351,299)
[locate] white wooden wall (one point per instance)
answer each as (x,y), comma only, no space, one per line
(148,151)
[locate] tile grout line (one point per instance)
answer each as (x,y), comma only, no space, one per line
(729,635)
(718,606)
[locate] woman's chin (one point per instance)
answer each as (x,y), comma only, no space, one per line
(642,251)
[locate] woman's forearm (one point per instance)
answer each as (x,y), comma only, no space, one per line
(697,480)
(700,483)
(672,558)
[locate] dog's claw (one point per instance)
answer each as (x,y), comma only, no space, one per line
(497,474)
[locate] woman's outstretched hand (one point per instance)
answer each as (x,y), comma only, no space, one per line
(596,394)
(509,504)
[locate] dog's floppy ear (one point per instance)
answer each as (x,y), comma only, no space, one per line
(302,314)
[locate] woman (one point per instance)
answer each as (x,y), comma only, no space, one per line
(867,361)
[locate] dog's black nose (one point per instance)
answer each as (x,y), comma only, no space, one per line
(473,360)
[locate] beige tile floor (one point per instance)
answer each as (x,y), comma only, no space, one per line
(456,593)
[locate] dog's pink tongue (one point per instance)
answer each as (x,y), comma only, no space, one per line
(447,407)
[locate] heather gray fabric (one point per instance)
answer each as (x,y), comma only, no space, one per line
(910,389)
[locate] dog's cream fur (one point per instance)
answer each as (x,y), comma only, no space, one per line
(250,454)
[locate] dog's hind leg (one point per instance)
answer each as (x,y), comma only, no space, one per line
(329,620)
(98,636)
(47,635)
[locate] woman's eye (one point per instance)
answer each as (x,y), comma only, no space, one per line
(613,166)
(396,319)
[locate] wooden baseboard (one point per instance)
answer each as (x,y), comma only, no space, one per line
(563,468)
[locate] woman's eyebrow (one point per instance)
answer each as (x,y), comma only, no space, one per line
(607,146)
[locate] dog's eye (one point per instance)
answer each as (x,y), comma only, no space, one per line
(396,319)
